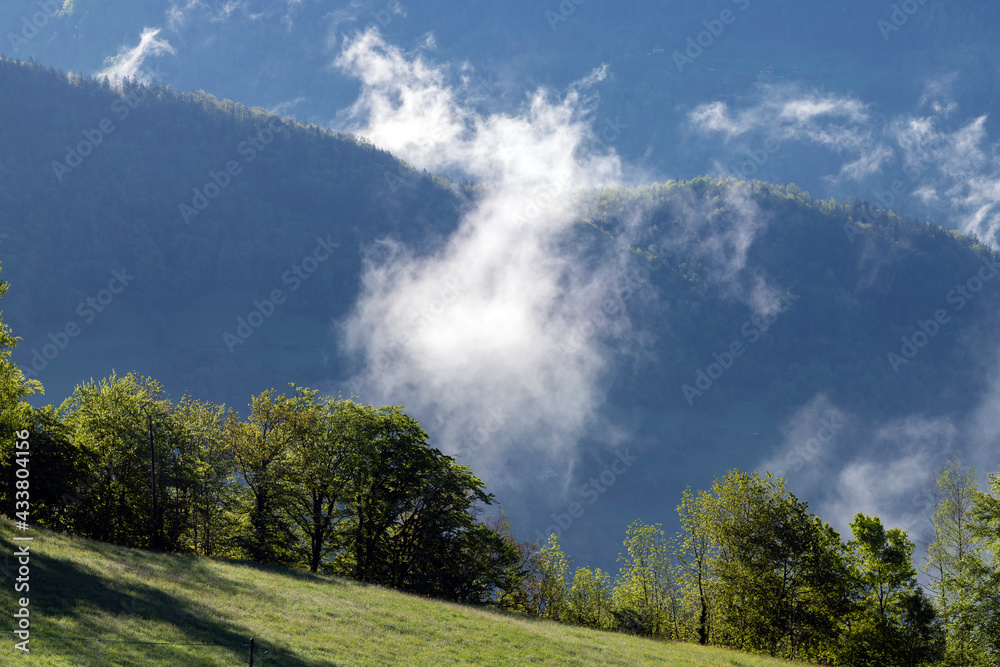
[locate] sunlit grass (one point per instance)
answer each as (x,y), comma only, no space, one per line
(88,599)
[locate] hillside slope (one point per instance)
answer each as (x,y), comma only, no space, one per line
(95,604)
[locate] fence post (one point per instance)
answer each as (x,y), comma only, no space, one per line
(251,652)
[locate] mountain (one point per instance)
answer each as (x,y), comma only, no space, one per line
(887,65)
(178,204)
(221,249)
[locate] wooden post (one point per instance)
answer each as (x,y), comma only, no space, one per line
(251,652)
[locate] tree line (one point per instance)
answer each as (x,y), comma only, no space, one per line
(753,569)
(330,485)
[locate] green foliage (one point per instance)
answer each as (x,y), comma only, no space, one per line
(317,481)
(777,568)
(320,483)
(753,569)
(262,449)
(646,596)
(552,567)
(58,469)
(696,554)
(957,566)
(113,420)
(894,623)
(519,588)
(212,494)
(985,514)
(589,600)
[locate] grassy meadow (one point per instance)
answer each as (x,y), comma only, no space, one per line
(96,604)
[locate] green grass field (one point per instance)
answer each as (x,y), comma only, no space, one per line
(95,604)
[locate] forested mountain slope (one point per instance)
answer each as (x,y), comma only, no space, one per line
(889,60)
(188,196)
(194,196)
(859,282)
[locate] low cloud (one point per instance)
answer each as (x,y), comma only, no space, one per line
(843,465)
(893,478)
(474,332)
(129,62)
(789,112)
(719,238)
(949,166)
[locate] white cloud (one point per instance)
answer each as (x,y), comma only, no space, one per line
(939,94)
(715,117)
(284,108)
(718,233)
(129,62)
(812,441)
(786,113)
(952,166)
(868,164)
(804,110)
(181,11)
(959,166)
(477,330)
(843,467)
(893,479)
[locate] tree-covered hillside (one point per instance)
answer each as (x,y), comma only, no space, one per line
(185,195)
(858,283)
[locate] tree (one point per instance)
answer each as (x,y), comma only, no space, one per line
(393,460)
(552,568)
(410,517)
(108,420)
(767,549)
(520,590)
(760,572)
(480,567)
(320,461)
(589,599)
(894,623)
(696,553)
(986,526)
(211,526)
(438,546)
(59,471)
(262,449)
(827,597)
(956,565)
(15,414)
(646,596)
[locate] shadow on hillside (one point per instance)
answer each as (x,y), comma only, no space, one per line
(301,575)
(113,615)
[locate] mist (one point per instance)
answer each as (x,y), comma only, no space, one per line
(936,161)
(480,336)
(129,62)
